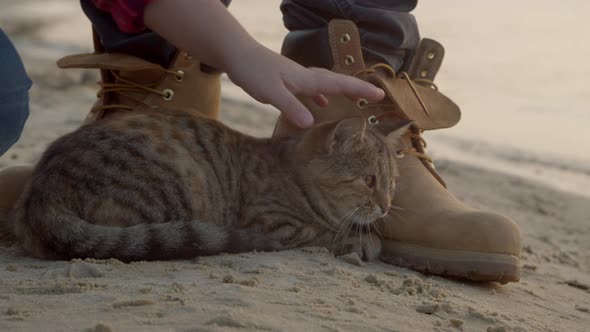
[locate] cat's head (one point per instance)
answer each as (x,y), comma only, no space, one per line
(350,167)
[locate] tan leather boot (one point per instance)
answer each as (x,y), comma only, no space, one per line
(428,230)
(129,83)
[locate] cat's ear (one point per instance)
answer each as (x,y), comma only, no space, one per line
(327,137)
(343,130)
(394,129)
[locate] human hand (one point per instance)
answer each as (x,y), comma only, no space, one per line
(274,79)
(208,31)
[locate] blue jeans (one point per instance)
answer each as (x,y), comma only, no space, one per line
(14,94)
(388,32)
(386,28)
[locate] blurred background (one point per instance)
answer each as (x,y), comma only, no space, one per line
(518,69)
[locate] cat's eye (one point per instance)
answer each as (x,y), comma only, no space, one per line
(370,180)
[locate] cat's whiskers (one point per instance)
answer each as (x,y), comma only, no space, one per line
(362,228)
(345,234)
(350,218)
(361,241)
(351,224)
(377,231)
(403,209)
(384,221)
(345,219)
(395,214)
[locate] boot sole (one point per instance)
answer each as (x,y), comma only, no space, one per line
(470,265)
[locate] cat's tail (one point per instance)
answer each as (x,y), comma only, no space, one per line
(72,237)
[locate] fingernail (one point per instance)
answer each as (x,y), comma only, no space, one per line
(305,120)
(379,92)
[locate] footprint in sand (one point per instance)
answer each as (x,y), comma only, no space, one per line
(77,270)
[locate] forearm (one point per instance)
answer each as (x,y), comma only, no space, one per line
(208,31)
(202,27)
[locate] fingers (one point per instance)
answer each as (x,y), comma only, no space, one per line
(293,109)
(320,100)
(326,82)
(321,82)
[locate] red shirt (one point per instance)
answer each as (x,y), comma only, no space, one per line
(128,14)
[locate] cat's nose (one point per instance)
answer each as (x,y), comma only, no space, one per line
(384,209)
(384,202)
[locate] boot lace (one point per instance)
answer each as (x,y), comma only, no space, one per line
(418,142)
(124,87)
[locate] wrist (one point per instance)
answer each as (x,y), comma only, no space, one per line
(241,53)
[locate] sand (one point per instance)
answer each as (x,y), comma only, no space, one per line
(304,289)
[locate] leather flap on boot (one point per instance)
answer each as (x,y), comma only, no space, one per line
(437,112)
(427,60)
(109,61)
(345,43)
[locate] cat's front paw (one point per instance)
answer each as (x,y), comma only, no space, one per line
(368,247)
(245,240)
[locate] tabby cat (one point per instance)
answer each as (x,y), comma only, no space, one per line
(157,186)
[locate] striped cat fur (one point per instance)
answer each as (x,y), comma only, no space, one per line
(170,185)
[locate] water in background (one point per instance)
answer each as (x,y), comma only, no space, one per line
(519,71)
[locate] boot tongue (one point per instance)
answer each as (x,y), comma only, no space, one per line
(109,61)
(425,105)
(128,69)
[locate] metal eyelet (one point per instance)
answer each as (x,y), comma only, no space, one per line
(167,94)
(361,103)
(424,73)
(349,60)
(345,38)
(400,154)
(430,55)
(373,120)
(179,76)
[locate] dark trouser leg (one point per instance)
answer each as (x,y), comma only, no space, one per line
(14,94)
(146,44)
(388,31)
